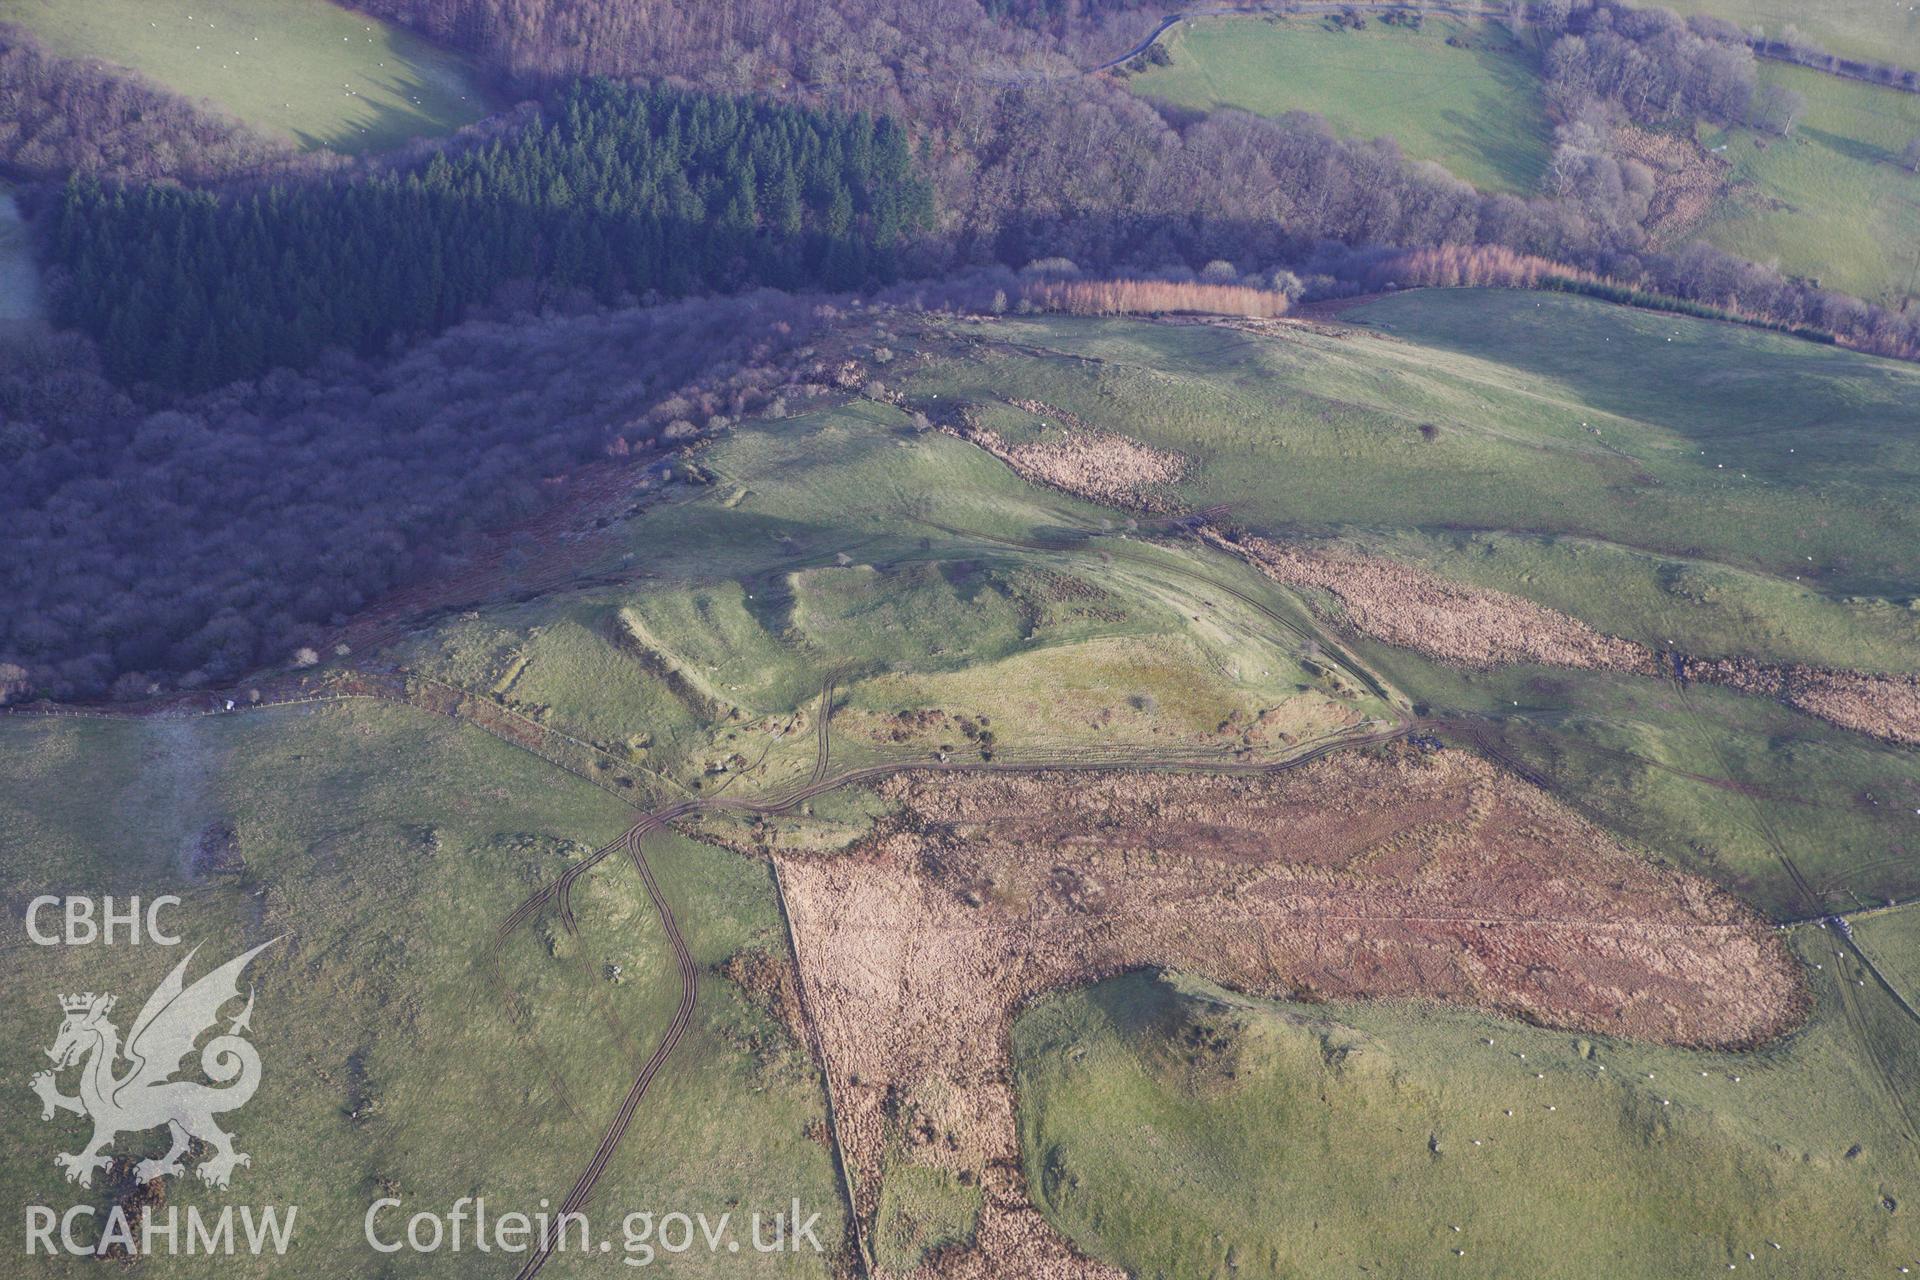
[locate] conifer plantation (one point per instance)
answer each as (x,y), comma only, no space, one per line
(616,190)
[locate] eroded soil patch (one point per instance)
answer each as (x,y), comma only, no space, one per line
(1402,874)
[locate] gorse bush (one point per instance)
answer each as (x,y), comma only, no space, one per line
(616,191)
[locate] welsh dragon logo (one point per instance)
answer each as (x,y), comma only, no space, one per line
(143,1096)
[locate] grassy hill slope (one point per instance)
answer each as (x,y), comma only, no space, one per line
(1833,200)
(1182,1131)
(1872,30)
(1690,485)
(383,846)
(1712,488)
(919,574)
(1463,94)
(305,69)
(1551,415)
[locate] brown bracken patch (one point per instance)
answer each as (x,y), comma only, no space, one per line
(1476,627)
(1399,874)
(1687,179)
(767,980)
(1885,706)
(1087,462)
(1467,626)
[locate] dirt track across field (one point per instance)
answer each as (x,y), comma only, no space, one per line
(558,895)
(1397,873)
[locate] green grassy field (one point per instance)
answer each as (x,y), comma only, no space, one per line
(1338,1140)
(921,1209)
(1474,108)
(1553,416)
(1891,941)
(1831,201)
(1721,784)
(1625,591)
(1872,30)
(19,277)
(308,70)
(1789,550)
(383,846)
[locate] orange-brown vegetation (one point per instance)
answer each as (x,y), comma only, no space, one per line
(1396,874)
(767,980)
(1687,180)
(1146,297)
(1476,627)
(1468,626)
(1091,463)
(1886,706)
(1460,265)
(1491,266)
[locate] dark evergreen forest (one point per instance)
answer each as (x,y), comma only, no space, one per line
(615,190)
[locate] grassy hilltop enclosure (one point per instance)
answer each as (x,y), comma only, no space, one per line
(309,70)
(953,606)
(1728,498)
(1463,94)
